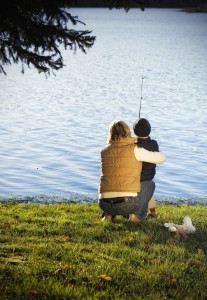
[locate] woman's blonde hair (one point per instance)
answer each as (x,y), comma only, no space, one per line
(118,130)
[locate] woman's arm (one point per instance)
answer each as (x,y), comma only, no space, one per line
(142,154)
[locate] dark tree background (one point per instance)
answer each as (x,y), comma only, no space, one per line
(32,31)
(145,3)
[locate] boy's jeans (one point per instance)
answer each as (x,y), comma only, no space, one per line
(135,205)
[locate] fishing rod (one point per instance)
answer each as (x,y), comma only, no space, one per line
(140,105)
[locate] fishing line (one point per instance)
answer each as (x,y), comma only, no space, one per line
(51,164)
(140,105)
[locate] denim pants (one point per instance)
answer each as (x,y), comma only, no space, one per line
(135,205)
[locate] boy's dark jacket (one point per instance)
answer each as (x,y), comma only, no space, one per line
(148,169)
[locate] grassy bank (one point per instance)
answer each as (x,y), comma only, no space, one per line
(65,251)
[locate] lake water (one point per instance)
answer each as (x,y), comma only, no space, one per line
(52,129)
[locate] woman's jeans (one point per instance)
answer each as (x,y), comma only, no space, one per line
(135,205)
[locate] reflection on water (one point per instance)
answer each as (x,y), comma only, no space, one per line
(52,129)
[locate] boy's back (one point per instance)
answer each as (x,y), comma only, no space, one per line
(142,130)
(148,169)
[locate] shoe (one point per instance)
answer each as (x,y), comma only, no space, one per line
(134,218)
(152,215)
(108,218)
(126,217)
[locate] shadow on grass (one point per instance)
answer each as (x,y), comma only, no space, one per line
(155,232)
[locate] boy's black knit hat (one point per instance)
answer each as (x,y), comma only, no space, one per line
(142,127)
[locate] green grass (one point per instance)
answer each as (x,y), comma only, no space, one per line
(65,251)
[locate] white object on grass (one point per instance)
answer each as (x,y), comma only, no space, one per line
(186,227)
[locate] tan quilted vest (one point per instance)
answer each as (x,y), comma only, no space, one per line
(120,171)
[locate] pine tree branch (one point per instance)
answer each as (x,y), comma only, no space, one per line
(31,32)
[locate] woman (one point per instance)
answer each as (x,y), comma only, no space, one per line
(120,190)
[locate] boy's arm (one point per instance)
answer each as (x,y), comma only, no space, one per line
(149,156)
(155,146)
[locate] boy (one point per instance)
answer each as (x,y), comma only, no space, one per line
(142,129)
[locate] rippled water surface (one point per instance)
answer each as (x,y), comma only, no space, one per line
(52,129)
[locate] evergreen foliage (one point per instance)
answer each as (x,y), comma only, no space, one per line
(32,31)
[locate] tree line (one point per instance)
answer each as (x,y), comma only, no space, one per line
(146,3)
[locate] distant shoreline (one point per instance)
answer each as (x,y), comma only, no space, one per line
(193,8)
(196,9)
